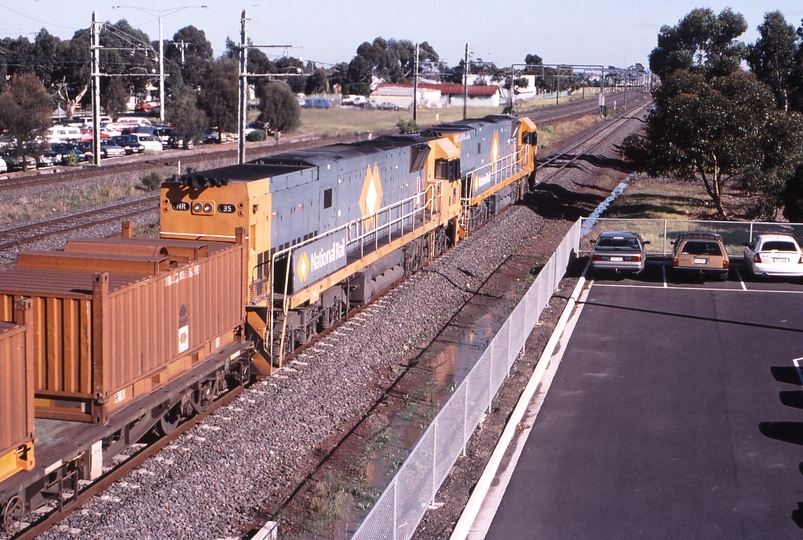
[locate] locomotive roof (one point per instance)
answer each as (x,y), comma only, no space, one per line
(342,151)
(469,124)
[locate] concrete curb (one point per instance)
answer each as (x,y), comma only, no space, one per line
(472,509)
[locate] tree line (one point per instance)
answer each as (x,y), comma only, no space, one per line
(48,73)
(726,113)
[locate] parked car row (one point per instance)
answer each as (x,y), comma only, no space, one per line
(700,253)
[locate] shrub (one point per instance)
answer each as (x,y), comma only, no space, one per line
(152,181)
(70,160)
(406,126)
(257,135)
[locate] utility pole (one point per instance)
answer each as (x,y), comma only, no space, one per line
(243,112)
(95,89)
(465,83)
(181,45)
(415,86)
(510,90)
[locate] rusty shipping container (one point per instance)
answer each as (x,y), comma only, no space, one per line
(116,319)
(16,393)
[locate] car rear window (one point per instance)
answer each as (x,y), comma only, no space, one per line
(696,247)
(778,245)
(614,242)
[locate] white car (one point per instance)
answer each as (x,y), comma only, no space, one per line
(774,255)
(150,142)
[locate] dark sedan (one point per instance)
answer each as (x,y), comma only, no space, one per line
(130,143)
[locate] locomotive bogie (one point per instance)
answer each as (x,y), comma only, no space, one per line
(104,339)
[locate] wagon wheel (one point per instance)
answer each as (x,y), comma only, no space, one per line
(169,420)
(202,397)
(12,515)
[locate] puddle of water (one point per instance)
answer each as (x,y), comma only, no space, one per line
(589,223)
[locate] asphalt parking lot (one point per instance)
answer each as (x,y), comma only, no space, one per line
(675,413)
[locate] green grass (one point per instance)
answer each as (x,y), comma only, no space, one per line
(350,121)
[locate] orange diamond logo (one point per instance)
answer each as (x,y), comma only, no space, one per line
(496,151)
(371,197)
(303,267)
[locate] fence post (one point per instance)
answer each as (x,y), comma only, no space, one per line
(664,248)
(395,511)
(465,413)
(434,460)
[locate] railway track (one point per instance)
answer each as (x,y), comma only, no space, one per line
(34,232)
(557,162)
(135,459)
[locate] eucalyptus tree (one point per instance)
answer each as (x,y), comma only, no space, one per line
(701,42)
(772,56)
(709,130)
(25,110)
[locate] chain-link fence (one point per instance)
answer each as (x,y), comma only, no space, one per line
(400,508)
(662,232)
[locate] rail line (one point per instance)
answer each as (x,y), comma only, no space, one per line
(568,157)
(120,471)
(34,232)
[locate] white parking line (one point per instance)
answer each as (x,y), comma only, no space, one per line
(663,270)
(796,362)
(738,275)
(664,286)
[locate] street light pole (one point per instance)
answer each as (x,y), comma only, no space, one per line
(161,52)
(161,71)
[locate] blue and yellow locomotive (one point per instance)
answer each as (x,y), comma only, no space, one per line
(330,227)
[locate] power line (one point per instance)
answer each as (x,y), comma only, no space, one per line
(37,20)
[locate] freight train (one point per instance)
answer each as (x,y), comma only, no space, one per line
(107,341)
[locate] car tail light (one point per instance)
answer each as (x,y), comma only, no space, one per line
(757,258)
(724,263)
(597,258)
(675,261)
(801,260)
(635,258)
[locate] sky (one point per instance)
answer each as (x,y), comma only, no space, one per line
(617,32)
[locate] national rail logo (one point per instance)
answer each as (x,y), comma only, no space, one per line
(313,261)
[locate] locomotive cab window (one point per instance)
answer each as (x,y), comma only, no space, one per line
(447,169)
(327,198)
(530,138)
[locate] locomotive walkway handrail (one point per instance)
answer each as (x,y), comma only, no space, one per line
(504,170)
(358,231)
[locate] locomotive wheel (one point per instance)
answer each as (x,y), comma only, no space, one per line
(12,515)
